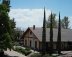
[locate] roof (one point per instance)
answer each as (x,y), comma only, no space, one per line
(66,34)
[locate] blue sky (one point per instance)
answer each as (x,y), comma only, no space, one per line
(64,6)
(24,10)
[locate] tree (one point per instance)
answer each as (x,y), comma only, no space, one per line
(54,24)
(7,4)
(51,35)
(44,35)
(59,36)
(5,29)
(13,24)
(17,35)
(65,22)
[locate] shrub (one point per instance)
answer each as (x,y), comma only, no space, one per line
(47,55)
(27,52)
(23,51)
(36,55)
(39,55)
(28,49)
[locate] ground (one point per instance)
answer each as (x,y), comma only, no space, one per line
(14,54)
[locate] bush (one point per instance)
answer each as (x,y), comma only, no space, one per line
(39,55)
(36,55)
(28,49)
(23,51)
(47,55)
(27,52)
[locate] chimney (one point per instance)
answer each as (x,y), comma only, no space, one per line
(33,27)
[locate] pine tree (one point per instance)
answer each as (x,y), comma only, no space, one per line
(44,35)
(5,29)
(59,36)
(6,3)
(51,35)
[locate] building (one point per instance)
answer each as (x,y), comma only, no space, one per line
(32,38)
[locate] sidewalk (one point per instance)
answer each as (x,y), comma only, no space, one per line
(14,53)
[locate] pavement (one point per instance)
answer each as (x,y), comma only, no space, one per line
(66,54)
(14,53)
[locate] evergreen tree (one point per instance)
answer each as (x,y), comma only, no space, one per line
(7,4)
(5,29)
(44,35)
(59,36)
(51,35)
(12,29)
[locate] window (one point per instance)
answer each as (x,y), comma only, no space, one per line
(30,33)
(26,42)
(30,43)
(35,44)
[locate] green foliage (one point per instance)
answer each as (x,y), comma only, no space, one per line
(51,35)
(36,55)
(44,35)
(28,49)
(16,34)
(3,8)
(54,24)
(59,37)
(7,4)
(5,29)
(16,44)
(7,41)
(23,51)
(65,22)
(39,55)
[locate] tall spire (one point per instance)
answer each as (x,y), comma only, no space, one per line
(59,36)
(44,35)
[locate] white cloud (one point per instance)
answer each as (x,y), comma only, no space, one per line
(28,17)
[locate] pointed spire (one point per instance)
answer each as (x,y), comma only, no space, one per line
(44,35)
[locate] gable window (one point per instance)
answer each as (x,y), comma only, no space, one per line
(26,42)
(30,32)
(30,43)
(35,44)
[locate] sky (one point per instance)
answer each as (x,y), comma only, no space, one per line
(30,12)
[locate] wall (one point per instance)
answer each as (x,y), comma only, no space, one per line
(29,36)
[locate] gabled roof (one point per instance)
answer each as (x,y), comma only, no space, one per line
(66,34)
